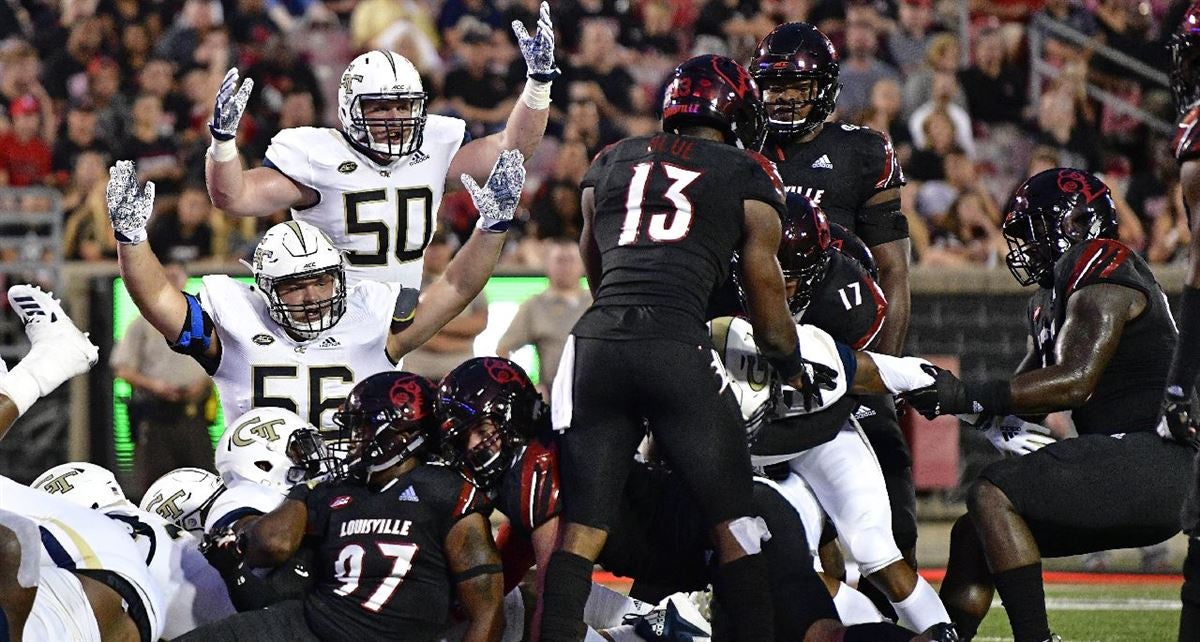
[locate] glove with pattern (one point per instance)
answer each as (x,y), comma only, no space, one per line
(538,49)
(229,105)
(497,199)
(129,205)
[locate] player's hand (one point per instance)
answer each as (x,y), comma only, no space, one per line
(947,395)
(538,49)
(220,548)
(812,379)
(1011,434)
(129,205)
(229,105)
(1177,423)
(497,199)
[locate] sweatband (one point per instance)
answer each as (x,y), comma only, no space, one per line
(223,150)
(21,387)
(536,95)
(901,374)
(1186,361)
(994,396)
(476,571)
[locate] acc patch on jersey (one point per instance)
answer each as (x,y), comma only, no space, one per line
(347,167)
(341,501)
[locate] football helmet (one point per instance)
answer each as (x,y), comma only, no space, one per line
(296,250)
(1049,213)
(264,446)
(796,55)
(183,497)
(377,76)
(497,390)
(1185,53)
(81,483)
(848,243)
(804,249)
(714,91)
(386,419)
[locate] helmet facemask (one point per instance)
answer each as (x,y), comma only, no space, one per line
(487,460)
(807,271)
(786,94)
(311,458)
(390,136)
(307,319)
(375,442)
(1185,56)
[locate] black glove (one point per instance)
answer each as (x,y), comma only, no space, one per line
(221,549)
(950,396)
(1177,422)
(811,380)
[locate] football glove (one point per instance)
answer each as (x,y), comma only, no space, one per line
(812,379)
(221,549)
(1013,435)
(229,105)
(538,49)
(948,395)
(129,206)
(497,199)
(1177,423)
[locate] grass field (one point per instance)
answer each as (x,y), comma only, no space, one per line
(1101,613)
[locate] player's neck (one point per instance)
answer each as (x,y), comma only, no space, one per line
(806,138)
(385,477)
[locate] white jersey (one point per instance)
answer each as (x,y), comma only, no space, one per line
(261,365)
(194,591)
(76,538)
(381,215)
(241,500)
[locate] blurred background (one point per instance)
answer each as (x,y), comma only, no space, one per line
(976,95)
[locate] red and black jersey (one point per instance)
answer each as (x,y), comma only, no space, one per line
(668,216)
(840,170)
(528,494)
(380,569)
(847,303)
(1127,396)
(1187,137)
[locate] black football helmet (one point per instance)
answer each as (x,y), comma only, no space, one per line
(497,390)
(848,243)
(804,248)
(1049,213)
(714,91)
(790,55)
(1185,53)
(386,419)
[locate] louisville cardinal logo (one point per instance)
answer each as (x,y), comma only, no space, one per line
(407,392)
(1074,181)
(500,371)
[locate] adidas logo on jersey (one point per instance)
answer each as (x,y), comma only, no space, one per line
(328,343)
(409,495)
(823,162)
(418,157)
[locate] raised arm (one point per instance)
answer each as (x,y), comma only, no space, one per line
(470,269)
(478,577)
(527,121)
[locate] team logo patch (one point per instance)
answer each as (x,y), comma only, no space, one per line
(347,167)
(340,501)
(263,339)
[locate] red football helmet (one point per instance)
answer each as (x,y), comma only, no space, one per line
(386,419)
(804,248)
(714,91)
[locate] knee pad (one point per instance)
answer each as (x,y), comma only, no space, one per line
(750,533)
(872,547)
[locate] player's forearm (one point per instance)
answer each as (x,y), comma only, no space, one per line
(273,538)
(8,414)
(226,184)
(893,276)
(525,125)
(486,612)
(153,294)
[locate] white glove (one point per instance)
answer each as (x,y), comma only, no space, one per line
(1016,436)
(129,206)
(538,49)
(229,105)
(497,199)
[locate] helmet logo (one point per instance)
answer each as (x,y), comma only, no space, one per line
(167,508)
(406,392)
(499,371)
(348,80)
(60,484)
(265,430)
(1074,181)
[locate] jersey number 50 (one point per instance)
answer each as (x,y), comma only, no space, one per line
(414,207)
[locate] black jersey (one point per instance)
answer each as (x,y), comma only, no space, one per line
(380,568)
(847,303)
(1127,396)
(668,216)
(1187,137)
(840,170)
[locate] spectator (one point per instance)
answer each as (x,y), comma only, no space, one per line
(24,155)
(945,87)
(89,168)
(157,78)
(151,147)
(934,197)
(167,406)
(187,233)
(1060,127)
(112,107)
(63,73)
(883,115)
(406,27)
(969,236)
(555,211)
(585,123)
(455,342)
(80,136)
(18,78)
(545,320)
(860,67)
(908,41)
(87,235)
(995,88)
(1067,13)
(135,51)
(941,59)
(289,14)
(298,110)
(180,41)
(475,90)
(597,70)
(939,139)
(655,34)
(450,20)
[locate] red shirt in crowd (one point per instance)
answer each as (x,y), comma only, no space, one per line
(26,163)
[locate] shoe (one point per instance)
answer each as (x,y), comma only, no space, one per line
(675,619)
(59,350)
(942,632)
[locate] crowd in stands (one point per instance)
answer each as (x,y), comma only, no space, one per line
(85,82)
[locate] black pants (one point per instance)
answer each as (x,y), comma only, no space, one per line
(681,391)
(281,622)
(1096,492)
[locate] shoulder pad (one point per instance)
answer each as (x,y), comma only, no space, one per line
(771,170)
(1187,137)
(445,129)
(290,151)
(888,173)
(1096,261)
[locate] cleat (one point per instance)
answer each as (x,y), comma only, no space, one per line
(675,619)
(59,350)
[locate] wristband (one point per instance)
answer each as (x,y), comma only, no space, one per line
(536,94)
(789,366)
(994,396)
(223,151)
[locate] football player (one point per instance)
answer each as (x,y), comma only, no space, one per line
(1101,336)
(496,428)
(395,538)
(852,173)
(183,497)
(69,573)
(193,591)
(374,186)
(58,351)
(1178,421)
(661,223)
(301,336)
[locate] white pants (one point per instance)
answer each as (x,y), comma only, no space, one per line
(61,610)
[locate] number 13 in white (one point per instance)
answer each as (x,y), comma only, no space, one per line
(659,231)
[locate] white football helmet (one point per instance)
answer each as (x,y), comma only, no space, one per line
(257,447)
(295,250)
(183,497)
(383,75)
(81,483)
